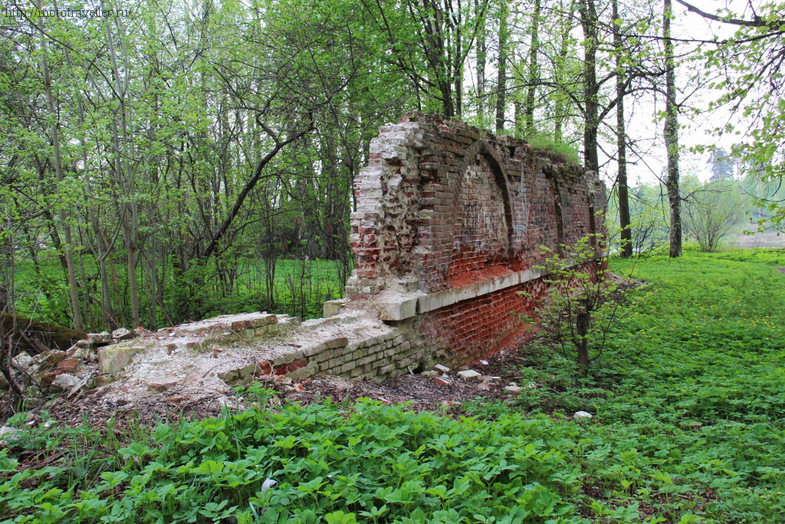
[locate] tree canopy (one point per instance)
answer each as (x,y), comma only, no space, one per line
(159,158)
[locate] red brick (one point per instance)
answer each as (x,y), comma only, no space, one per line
(69,365)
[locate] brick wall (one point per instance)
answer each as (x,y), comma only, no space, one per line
(447,234)
(449,224)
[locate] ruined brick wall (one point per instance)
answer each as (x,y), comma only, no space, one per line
(449,226)
(447,233)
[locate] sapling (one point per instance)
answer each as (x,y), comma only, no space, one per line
(582,301)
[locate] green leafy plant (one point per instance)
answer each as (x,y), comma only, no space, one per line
(582,302)
(688,408)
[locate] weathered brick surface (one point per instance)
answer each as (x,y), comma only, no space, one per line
(467,330)
(444,206)
(442,202)
(446,234)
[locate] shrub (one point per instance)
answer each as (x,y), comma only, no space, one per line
(582,302)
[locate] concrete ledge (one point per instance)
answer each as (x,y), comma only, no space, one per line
(449,297)
(408,306)
(398,309)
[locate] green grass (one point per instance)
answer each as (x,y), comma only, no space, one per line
(562,150)
(689,426)
(689,399)
(301,287)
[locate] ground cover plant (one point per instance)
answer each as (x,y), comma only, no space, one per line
(689,426)
(689,397)
(370,463)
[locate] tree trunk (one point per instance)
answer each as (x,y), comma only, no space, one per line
(62,214)
(101,249)
(621,141)
(590,87)
(671,133)
(560,105)
(534,72)
(122,168)
(458,65)
(501,84)
(481,57)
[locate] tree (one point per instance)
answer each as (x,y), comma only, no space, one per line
(169,118)
(747,71)
(712,211)
(501,66)
(429,43)
(76,309)
(534,73)
(621,137)
(722,164)
(582,301)
(591,86)
(671,134)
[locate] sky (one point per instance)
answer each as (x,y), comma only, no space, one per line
(697,130)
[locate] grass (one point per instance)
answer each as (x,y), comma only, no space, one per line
(689,399)
(300,289)
(689,426)
(562,150)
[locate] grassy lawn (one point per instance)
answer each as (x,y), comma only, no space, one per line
(689,426)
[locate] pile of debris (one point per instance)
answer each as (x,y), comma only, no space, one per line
(62,371)
(197,360)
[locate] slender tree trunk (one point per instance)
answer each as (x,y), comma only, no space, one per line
(128,209)
(671,133)
(534,71)
(101,248)
(590,87)
(559,110)
(458,64)
(62,214)
(106,296)
(501,84)
(481,57)
(621,140)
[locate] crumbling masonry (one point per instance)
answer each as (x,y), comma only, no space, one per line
(448,230)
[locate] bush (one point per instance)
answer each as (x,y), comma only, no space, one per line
(582,301)
(712,211)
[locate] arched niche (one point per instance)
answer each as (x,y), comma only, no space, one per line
(484,151)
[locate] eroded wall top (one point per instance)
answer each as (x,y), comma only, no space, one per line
(443,204)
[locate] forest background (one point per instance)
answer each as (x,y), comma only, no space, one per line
(168,160)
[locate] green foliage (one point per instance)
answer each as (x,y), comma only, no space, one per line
(712,210)
(746,73)
(767,195)
(582,301)
(648,216)
(172,195)
(687,399)
(369,463)
(688,409)
(300,287)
